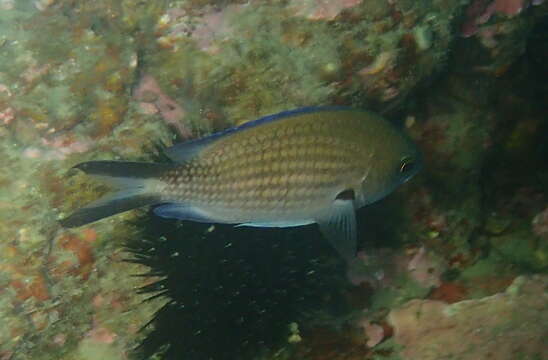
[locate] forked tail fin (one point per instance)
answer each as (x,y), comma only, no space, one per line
(132,180)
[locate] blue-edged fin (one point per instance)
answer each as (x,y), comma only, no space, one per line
(183,212)
(186,151)
(131,180)
(338,225)
(279,224)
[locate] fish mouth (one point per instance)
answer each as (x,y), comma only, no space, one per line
(420,161)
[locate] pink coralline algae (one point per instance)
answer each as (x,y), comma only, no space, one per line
(5,90)
(373,332)
(7,116)
(101,334)
(382,269)
(153,99)
(215,26)
(322,9)
(208,30)
(57,148)
(426,268)
(480,11)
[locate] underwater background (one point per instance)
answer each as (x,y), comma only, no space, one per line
(453,265)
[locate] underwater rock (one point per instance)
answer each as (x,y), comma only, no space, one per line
(386,266)
(260,57)
(500,29)
(426,268)
(65,79)
(374,333)
(540,224)
(322,9)
(444,217)
(479,12)
(507,325)
(153,99)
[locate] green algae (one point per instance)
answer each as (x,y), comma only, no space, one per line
(403,290)
(387,350)
(55,87)
(288,62)
(49,104)
(519,248)
(92,350)
(258,76)
(279,75)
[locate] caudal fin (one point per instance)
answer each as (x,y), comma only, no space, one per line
(132,180)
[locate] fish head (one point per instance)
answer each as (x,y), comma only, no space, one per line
(395,160)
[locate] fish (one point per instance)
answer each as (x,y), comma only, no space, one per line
(297,167)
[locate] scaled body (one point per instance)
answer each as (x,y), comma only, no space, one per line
(293,168)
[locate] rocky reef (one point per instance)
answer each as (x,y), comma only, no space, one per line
(82,80)
(472,329)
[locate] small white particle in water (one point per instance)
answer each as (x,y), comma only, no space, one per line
(164,20)
(409,121)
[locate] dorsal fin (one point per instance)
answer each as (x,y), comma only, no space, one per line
(186,151)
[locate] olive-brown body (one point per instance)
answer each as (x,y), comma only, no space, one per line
(293,168)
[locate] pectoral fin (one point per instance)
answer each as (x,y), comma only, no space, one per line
(338,225)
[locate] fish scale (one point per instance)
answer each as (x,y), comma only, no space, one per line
(310,165)
(252,177)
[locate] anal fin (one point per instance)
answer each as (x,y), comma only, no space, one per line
(182,212)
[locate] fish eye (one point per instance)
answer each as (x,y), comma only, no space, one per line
(407,164)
